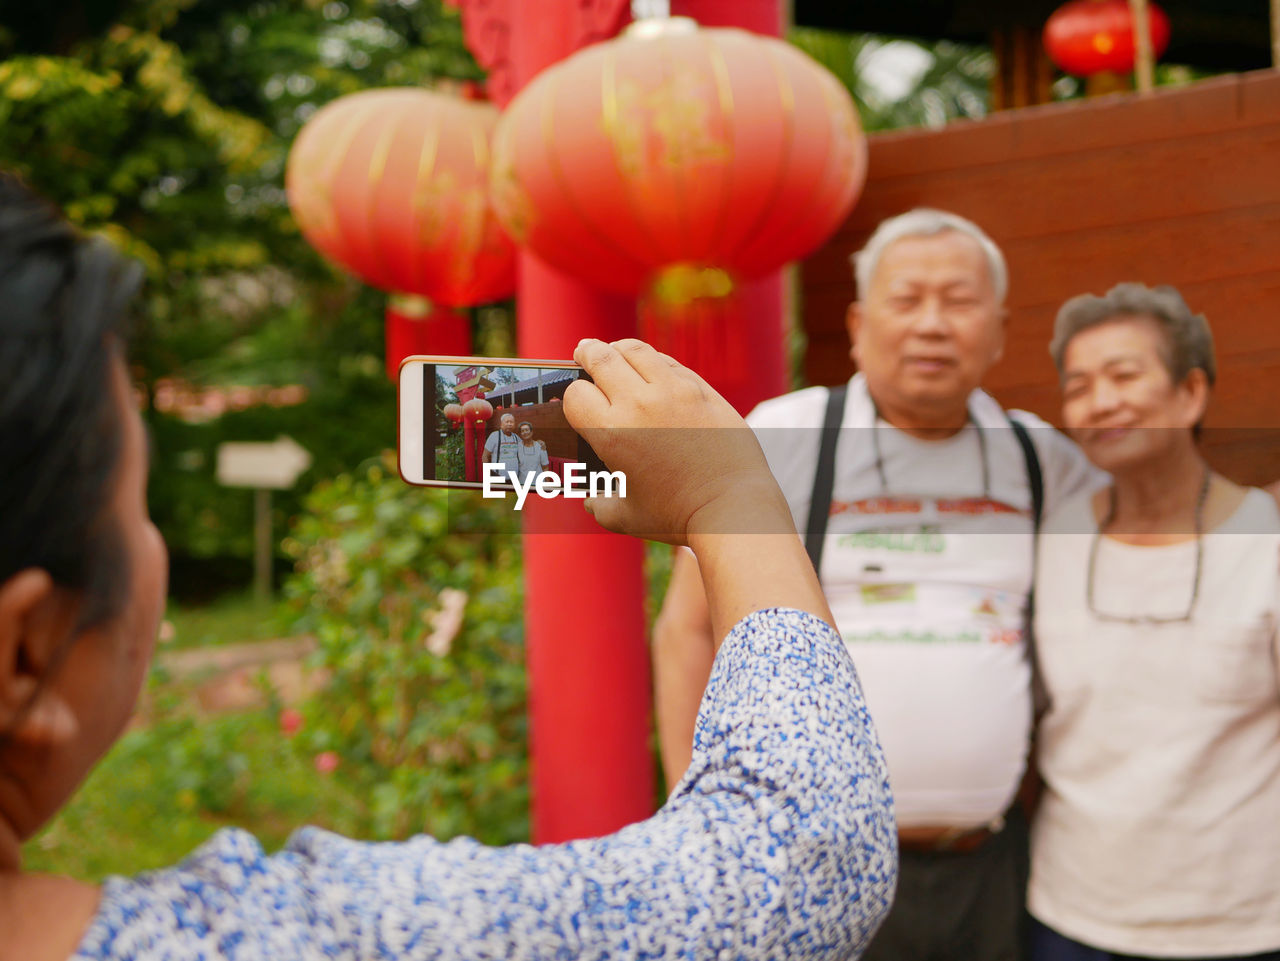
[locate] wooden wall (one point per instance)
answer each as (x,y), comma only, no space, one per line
(549,426)
(1181,187)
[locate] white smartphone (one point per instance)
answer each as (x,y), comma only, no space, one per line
(487,423)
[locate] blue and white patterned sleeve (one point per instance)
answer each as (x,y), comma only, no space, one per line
(778,843)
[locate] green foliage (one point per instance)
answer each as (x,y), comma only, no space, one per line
(425,714)
(165,125)
(233,618)
(951,81)
(451,460)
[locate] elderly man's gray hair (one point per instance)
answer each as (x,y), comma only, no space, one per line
(926,222)
(1186,341)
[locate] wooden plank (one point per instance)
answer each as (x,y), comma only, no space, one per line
(1260,97)
(1169,114)
(1096,191)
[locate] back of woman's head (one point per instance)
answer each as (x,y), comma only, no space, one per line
(63,301)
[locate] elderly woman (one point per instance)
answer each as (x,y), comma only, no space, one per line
(778,844)
(532,453)
(1156,611)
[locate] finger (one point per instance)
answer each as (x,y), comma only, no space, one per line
(607,367)
(585,405)
(653,366)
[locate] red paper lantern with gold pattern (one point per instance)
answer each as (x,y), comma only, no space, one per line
(478,410)
(674,160)
(1085,37)
(393,185)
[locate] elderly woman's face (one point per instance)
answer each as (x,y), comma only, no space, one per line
(1119,400)
(526,431)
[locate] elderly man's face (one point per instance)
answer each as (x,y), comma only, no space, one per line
(507,423)
(929,328)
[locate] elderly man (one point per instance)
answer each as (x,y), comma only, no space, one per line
(503,445)
(920,515)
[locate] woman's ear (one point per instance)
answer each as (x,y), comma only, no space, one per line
(1196,390)
(30,634)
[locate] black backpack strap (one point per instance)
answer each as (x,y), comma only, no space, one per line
(824,477)
(1035,477)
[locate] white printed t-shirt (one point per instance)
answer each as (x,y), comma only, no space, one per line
(928,581)
(1159,830)
(505,449)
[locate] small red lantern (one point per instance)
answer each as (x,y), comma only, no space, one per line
(453,413)
(393,184)
(478,410)
(1085,37)
(714,153)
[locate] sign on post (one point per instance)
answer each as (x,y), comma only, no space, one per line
(263,466)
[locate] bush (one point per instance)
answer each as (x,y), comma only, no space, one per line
(414,597)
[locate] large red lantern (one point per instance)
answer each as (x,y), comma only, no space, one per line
(393,185)
(453,414)
(676,161)
(1085,37)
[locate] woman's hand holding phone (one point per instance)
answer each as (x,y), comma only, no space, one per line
(695,475)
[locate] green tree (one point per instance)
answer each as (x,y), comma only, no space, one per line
(951,81)
(165,125)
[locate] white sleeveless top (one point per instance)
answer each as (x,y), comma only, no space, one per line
(1159,831)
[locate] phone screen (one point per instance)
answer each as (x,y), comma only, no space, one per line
(485,422)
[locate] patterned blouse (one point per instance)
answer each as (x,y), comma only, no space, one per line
(778,843)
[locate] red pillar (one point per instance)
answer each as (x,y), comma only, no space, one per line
(587,652)
(584,613)
(416,326)
(584,609)
(755,319)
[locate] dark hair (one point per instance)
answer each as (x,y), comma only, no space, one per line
(63,308)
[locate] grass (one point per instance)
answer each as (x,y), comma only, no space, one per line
(230,619)
(162,791)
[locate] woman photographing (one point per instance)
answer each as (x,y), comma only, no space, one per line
(779,843)
(1156,624)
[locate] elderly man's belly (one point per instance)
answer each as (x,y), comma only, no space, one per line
(952,704)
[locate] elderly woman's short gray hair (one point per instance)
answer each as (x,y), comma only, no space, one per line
(926,222)
(1187,341)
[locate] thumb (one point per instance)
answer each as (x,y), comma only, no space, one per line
(609,512)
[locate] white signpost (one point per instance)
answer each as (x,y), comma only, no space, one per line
(274,465)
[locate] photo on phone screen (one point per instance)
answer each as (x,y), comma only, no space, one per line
(458,414)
